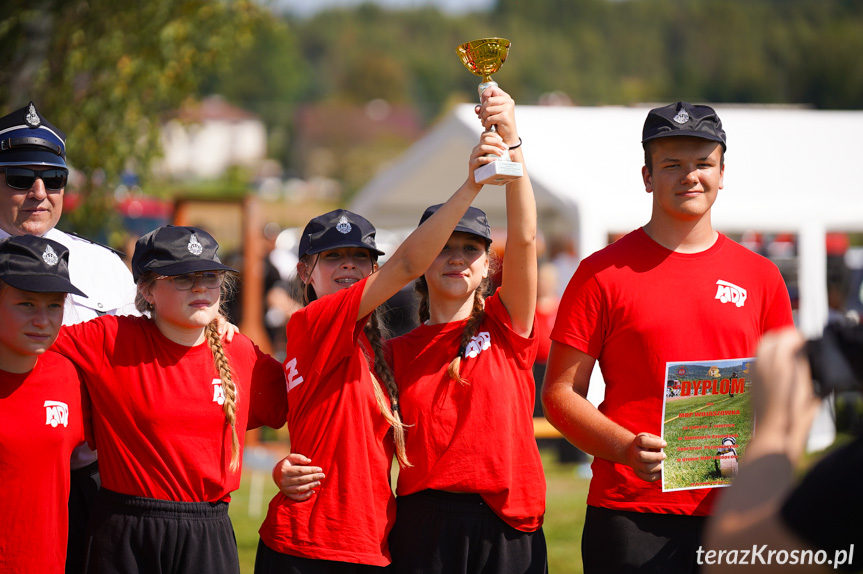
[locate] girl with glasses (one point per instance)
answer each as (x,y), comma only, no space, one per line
(171,405)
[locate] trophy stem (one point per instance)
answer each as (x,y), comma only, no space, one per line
(484,85)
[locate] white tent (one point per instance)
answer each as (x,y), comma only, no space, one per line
(787,170)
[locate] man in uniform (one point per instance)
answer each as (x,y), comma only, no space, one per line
(33,175)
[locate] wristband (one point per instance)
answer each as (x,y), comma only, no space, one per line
(518,145)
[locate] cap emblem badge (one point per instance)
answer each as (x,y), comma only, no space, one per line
(682,117)
(31,118)
(195,247)
(344,226)
(50,256)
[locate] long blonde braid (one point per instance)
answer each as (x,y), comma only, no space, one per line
(374,333)
(392,414)
(229,389)
(477,314)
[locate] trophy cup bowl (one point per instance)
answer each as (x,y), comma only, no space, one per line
(483,58)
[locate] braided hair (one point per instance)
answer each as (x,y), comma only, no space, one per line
(375,332)
(477,314)
(229,389)
(220,359)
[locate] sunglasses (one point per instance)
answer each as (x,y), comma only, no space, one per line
(211,280)
(23,178)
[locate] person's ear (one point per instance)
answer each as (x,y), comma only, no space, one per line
(648,179)
(147,292)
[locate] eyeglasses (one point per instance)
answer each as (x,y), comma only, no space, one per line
(186,282)
(23,178)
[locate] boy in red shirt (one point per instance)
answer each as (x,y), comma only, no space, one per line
(646,300)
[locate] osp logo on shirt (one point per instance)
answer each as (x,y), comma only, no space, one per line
(56,413)
(729,292)
(218,392)
(477,345)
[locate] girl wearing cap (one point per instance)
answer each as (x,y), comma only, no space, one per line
(171,404)
(474,499)
(41,406)
(343,403)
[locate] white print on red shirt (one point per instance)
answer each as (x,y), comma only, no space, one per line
(291,374)
(218,393)
(477,345)
(56,413)
(730,292)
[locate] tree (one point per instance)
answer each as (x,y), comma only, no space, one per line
(105,72)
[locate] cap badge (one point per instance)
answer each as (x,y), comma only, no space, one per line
(195,247)
(50,256)
(31,118)
(344,226)
(682,117)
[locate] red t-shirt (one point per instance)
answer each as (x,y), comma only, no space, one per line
(157,418)
(635,306)
(476,437)
(334,420)
(42,422)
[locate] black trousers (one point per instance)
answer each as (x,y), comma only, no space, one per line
(451,533)
(623,542)
(135,535)
(268,561)
(83,486)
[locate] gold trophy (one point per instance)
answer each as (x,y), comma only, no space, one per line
(483,58)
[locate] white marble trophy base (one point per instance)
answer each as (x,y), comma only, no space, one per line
(498,172)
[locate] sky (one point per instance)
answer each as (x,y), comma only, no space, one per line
(304,8)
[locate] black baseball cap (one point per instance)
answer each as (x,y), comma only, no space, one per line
(37,264)
(473,221)
(175,250)
(26,138)
(337,229)
(683,119)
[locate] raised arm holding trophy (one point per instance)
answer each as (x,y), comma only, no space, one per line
(483,58)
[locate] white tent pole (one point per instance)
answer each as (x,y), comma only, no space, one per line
(812,314)
(812,278)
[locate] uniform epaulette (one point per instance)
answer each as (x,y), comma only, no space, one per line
(117,252)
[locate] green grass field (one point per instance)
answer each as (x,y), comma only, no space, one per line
(684,473)
(564,517)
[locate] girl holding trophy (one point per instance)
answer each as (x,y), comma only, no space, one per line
(468,505)
(474,499)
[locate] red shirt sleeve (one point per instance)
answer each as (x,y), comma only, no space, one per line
(268,402)
(581,316)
